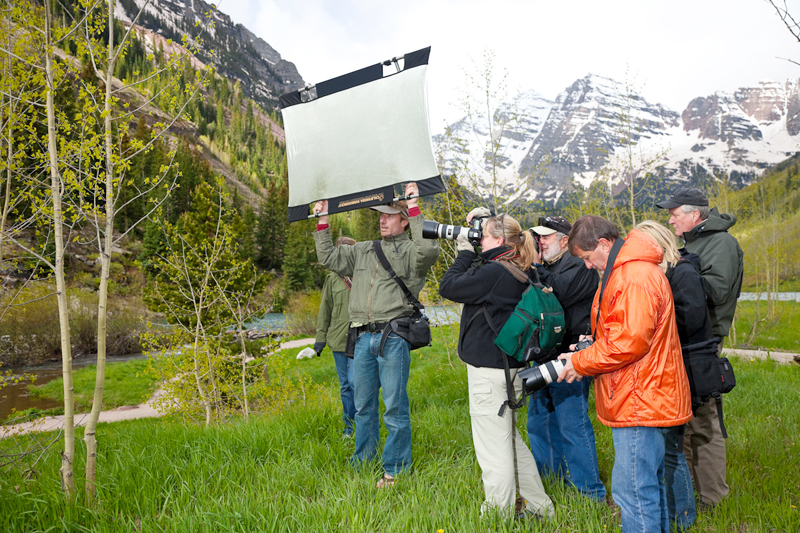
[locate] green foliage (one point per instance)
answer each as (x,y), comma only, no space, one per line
(302,311)
(202,266)
(31,329)
(272,227)
(205,285)
(300,268)
(290,471)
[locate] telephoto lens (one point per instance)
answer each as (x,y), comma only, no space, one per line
(538,377)
(434,230)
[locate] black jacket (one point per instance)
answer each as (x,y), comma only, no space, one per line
(475,282)
(691,311)
(574,285)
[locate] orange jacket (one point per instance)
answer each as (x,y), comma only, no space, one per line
(641,379)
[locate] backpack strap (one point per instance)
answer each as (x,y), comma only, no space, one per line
(718,398)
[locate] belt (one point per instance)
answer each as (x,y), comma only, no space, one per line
(372,327)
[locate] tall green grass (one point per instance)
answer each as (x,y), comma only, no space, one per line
(779,333)
(290,471)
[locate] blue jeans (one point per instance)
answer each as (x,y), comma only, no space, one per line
(637,480)
(390,372)
(678,481)
(562,437)
(344,368)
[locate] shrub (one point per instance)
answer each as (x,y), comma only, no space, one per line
(32,334)
(301,311)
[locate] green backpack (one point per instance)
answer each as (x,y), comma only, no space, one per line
(536,328)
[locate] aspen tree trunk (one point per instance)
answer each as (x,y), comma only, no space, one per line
(56,186)
(206,401)
(7,198)
(105,245)
(9,155)
(244,373)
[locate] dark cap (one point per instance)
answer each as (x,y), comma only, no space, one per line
(685,196)
(550,225)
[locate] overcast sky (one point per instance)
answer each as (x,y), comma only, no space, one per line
(671,50)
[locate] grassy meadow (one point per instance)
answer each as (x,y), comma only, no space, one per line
(290,471)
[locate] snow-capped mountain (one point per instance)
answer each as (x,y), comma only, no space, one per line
(740,134)
(513,130)
(237,53)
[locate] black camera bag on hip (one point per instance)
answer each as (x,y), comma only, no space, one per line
(415,329)
(710,376)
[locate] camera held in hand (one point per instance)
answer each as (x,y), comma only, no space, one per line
(538,377)
(434,230)
(582,345)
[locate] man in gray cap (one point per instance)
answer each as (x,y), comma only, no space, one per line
(559,429)
(376,299)
(705,232)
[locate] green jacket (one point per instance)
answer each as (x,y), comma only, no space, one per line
(333,320)
(721,267)
(375,297)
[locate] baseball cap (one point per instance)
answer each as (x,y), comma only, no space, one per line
(395,208)
(685,196)
(550,225)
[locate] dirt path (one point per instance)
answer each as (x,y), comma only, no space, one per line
(126,412)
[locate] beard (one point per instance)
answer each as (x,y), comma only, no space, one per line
(550,253)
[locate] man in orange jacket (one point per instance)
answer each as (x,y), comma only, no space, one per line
(641,387)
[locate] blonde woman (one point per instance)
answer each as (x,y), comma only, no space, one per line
(694,326)
(488,289)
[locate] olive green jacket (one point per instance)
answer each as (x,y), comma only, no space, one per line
(721,267)
(375,297)
(333,320)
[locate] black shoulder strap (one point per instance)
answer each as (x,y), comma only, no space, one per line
(612,256)
(376,245)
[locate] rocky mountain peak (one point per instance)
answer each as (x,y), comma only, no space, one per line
(238,53)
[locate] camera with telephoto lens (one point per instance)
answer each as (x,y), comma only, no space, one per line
(536,378)
(434,230)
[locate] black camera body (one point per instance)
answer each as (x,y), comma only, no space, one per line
(582,345)
(434,230)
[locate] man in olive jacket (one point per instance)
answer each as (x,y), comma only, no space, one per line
(705,232)
(375,300)
(332,325)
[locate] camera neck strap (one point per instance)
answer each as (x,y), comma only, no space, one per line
(376,245)
(612,256)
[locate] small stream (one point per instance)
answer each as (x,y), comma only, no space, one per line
(17,395)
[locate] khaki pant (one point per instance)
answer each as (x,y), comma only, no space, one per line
(704,447)
(495,445)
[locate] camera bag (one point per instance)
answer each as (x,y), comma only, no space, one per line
(536,328)
(710,376)
(415,329)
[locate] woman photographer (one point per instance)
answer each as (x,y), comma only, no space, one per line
(694,326)
(490,292)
